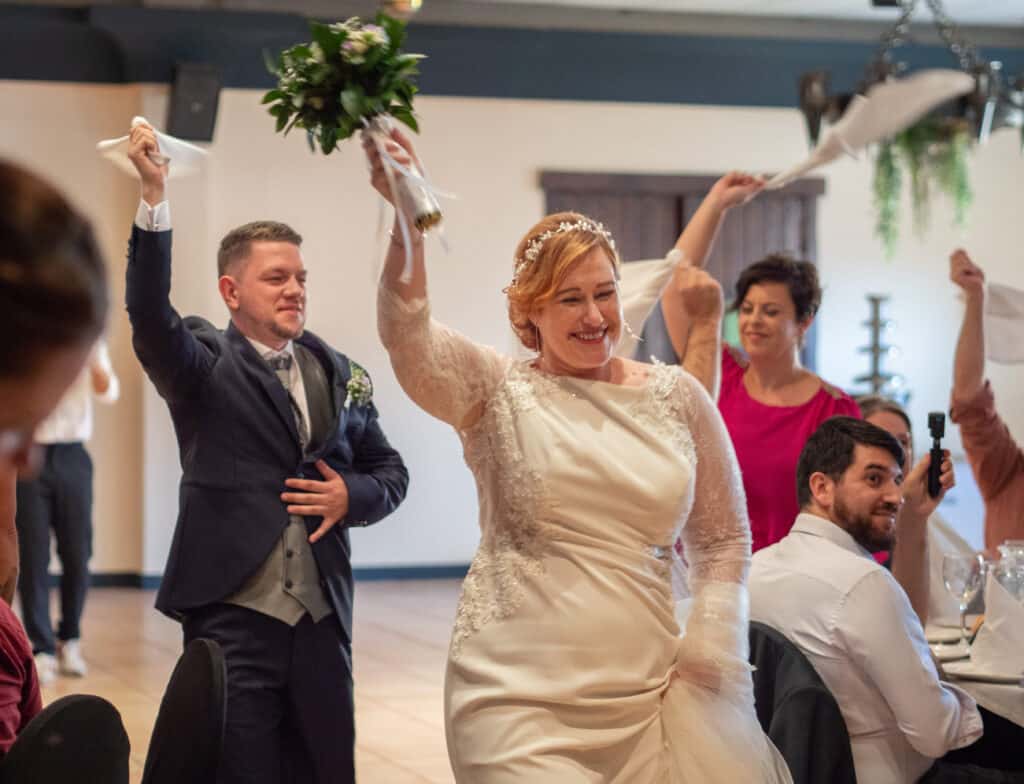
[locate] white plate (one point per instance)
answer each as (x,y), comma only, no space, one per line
(968,670)
(936,634)
(945,653)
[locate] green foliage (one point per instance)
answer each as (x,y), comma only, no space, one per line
(933,152)
(348,74)
(887,185)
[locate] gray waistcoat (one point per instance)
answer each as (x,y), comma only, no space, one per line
(287,585)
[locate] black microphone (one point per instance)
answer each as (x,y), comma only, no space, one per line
(937,427)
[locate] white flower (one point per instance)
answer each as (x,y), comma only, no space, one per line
(317,53)
(297,100)
(375,35)
(356,45)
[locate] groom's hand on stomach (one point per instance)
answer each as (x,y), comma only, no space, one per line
(327,499)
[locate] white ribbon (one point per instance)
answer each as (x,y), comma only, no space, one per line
(378,130)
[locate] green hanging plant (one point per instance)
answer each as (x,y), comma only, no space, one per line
(888,183)
(933,152)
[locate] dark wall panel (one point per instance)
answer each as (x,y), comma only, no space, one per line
(123,44)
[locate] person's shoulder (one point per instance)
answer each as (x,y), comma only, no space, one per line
(200,324)
(734,365)
(636,373)
(733,359)
(838,399)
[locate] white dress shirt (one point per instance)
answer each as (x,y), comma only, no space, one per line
(156,218)
(854,623)
(71,421)
(298,388)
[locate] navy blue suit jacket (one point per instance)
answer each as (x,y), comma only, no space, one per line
(238,443)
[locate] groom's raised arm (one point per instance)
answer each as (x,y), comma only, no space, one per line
(171,355)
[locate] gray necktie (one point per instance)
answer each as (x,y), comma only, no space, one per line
(282,365)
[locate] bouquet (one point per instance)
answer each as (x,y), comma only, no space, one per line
(354,77)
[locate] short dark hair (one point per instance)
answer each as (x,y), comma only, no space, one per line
(53,284)
(237,242)
(872,404)
(830,448)
(800,277)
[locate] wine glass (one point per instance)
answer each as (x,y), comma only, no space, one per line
(962,575)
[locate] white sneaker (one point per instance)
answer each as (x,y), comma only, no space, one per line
(69,654)
(46,668)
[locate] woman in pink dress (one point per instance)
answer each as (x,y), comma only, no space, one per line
(769,401)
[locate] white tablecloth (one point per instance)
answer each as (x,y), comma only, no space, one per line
(1003,699)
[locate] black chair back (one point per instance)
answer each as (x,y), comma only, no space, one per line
(798,712)
(189,730)
(77,738)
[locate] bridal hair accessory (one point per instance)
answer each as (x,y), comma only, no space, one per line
(533,249)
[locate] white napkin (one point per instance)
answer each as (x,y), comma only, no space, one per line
(888,108)
(1004,324)
(184,158)
(999,646)
(640,286)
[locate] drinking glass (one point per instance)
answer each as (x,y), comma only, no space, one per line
(961,574)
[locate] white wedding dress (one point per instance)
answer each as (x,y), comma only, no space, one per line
(564,658)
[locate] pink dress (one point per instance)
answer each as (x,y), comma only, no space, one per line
(768,441)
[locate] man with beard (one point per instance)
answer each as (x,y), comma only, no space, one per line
(821,588)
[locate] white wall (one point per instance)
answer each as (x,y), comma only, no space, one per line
(489,152)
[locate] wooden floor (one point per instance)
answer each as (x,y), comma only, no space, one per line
(401,642)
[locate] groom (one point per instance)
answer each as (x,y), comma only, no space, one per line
(281,453)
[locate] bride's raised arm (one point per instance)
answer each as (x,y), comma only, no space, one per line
(445,373)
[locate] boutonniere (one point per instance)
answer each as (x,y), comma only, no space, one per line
(359,387)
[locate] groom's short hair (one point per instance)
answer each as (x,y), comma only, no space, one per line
(236,243)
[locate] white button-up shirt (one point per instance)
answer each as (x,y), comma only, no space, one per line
(854,623)
(72,421)
(297,386)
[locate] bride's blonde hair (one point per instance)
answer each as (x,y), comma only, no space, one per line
(543,258)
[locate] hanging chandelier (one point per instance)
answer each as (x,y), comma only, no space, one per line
(996,102)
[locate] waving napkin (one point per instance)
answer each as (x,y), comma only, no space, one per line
(184,158)
(999,646)
(640,287)
(888,108)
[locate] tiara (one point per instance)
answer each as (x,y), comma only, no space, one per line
(533,249)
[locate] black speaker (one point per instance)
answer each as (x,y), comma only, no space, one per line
(194,95)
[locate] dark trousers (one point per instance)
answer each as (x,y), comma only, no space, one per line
(60,498)
(290,716)
(995,758)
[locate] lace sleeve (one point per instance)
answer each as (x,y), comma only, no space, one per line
(716,539)
(445,373)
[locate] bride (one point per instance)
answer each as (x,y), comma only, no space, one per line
(566,663)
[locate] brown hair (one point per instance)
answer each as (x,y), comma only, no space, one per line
(800,277)
(236,243)
(537,280)
(872,404)
(53,284)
